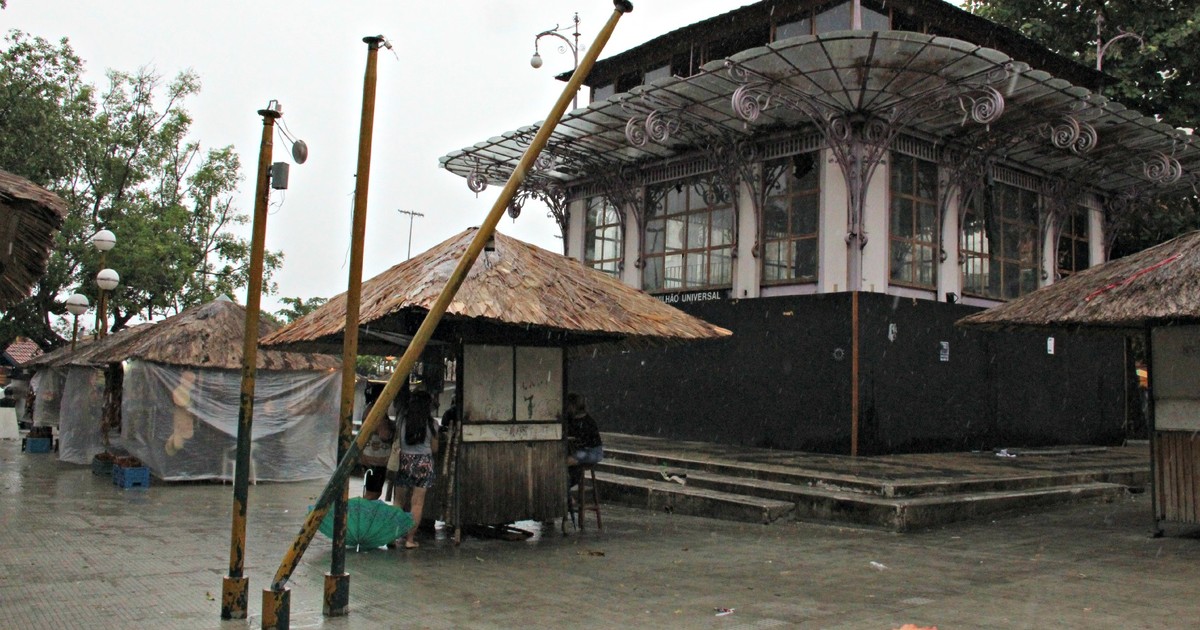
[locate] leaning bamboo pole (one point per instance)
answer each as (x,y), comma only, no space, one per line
(275,599)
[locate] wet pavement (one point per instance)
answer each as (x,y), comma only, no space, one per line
(77,552)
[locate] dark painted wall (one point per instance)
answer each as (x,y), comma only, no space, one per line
(784,380)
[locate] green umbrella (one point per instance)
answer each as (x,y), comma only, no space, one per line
(370,523)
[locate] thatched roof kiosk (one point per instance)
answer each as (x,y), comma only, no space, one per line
(516,292)
(1155,292)
(30,216)
(1159,285)
(508,330)
(176,384)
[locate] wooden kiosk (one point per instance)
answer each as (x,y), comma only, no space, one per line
(518,313)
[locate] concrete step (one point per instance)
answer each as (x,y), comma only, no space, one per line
(678,499)
(757,500)
(650,466)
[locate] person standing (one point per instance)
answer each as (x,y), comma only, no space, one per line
(417,434)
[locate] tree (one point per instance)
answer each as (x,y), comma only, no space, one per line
(1154,78)
(298,307)
(124,162)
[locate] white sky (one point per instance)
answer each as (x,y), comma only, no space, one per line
(462,76)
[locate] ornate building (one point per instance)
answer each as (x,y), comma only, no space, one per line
(837,183)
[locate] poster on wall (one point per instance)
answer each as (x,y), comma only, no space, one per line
(1175,376)
(488,383)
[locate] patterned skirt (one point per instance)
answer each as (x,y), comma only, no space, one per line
(416,471)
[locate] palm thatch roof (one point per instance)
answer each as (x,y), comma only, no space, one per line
(518,293)
(1157,285)
(205,336)
(30,216)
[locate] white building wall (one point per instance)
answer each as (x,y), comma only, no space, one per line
(832,260)
(875,223)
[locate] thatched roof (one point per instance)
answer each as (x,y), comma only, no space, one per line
(1156,285)
(30,216)
(518,293)
(205,336)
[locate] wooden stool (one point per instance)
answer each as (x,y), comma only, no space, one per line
(580,504)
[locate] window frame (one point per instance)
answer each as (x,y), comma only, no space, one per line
(791,236)
(682,211)
(900,162)
(999,219)
(609,265)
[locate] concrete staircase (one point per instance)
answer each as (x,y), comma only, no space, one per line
(740,491)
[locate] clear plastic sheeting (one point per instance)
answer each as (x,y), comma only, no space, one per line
(80,416)
(48,386)
(182,422)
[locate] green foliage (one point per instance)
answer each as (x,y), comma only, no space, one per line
(298,307)
(1154,78)
(123,160)
(371,366)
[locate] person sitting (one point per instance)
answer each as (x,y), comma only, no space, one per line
(583,438)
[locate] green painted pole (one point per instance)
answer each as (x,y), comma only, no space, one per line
(235,587)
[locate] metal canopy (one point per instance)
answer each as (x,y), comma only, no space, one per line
(966,97)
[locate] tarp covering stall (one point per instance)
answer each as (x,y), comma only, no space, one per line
(182,422)
(80,437)
(48,386)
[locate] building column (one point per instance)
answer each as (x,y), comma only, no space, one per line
(630,243)
(949,269)
(747,269)
(1096,235)
(875,225)
(576,221)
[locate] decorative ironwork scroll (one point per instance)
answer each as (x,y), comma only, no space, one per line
(860,139)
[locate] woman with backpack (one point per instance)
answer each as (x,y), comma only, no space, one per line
(417,434)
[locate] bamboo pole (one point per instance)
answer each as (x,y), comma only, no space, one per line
(235,587)
(275,599)
(337,581)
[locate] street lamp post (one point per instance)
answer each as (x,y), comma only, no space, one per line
(536,59)
(107,279)
(411,215)
(77,305)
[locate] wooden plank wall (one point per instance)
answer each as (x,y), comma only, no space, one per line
(1177,476)
(502,482)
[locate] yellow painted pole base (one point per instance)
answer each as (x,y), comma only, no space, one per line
(337,595)
(277,609)
(235,595)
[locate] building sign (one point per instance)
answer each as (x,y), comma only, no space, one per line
(688,298)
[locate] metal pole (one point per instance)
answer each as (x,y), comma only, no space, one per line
(235,587)
(102,308)
(412,214)
(337,581)
(272,599)
(74,332)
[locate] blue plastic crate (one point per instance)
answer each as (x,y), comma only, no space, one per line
(37,445)
(131,477)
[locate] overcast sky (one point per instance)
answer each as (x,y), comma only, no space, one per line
(460,74)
